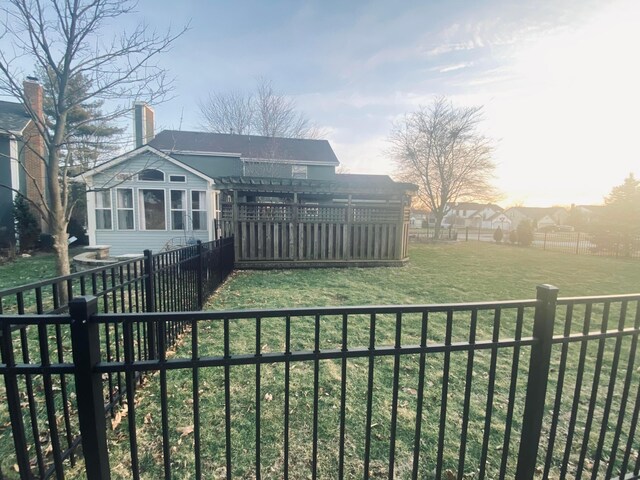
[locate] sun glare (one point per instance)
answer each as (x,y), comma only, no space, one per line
(574,110)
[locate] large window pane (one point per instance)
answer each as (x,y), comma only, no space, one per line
(103,210)
(153,204)
(124,202)
(178,209)
(198,210)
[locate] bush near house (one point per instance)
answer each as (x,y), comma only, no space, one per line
(524,233)
(27,227)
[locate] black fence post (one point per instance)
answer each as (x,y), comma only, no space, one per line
(150,302)
(13,403)
(544,319)
(85,343)
(200,275)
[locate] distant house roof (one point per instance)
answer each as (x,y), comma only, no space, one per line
(13,118)
(475,206)
(246,146)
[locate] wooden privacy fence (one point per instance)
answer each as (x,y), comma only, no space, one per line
(289,233)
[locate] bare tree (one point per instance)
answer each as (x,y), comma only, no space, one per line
(228,113)
(66,39)
(439,148)
(264,112)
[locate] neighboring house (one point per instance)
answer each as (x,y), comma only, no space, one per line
(580,216)
(541,217)
(168,192)
(417,217)
(470,214)
(22,156)
(499,219)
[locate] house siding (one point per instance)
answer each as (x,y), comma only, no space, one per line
(284,170)
(137,240)
(6,195)
(212,166)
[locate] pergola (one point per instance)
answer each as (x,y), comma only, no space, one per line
(352,220)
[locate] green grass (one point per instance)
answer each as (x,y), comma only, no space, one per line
(27,270)
(459,272)
(437,273)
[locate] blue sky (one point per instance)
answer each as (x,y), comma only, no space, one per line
(558,78)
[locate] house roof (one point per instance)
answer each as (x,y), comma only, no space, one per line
(13,117)
(246,146)
(476,206)
(361,179)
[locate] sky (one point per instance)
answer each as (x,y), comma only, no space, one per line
(558,80)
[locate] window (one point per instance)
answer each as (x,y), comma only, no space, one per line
(177,178)
(151,175)
(178,209)
(124,204)
(153,209)
(103,210)
(299,171)
(199,210)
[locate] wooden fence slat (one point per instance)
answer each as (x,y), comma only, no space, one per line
(330,251)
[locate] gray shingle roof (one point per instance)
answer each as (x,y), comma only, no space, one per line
(248,146)
(13,117)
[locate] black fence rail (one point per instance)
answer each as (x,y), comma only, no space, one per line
(175,280)
(38,331)
(580,243)
(482,390)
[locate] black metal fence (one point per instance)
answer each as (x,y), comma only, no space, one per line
(35,330)
(580,243)
(603,244)
(482,390)
(175,280)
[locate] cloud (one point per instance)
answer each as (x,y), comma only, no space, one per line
(452,68)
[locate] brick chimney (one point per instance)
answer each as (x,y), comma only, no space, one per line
(34,150)
(143,124)
(34,95)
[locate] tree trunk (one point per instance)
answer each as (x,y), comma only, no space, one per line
(61,248)
(437,227)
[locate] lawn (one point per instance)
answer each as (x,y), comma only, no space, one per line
(27,270)
(459,272)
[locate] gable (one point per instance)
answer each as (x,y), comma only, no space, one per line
(123,162)
(125,173)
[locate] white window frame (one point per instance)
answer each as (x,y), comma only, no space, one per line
(172,178)
(142,210)
(184,210)
(203,208)
(108,192)
(300,168)
(132,209)
(164,176)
